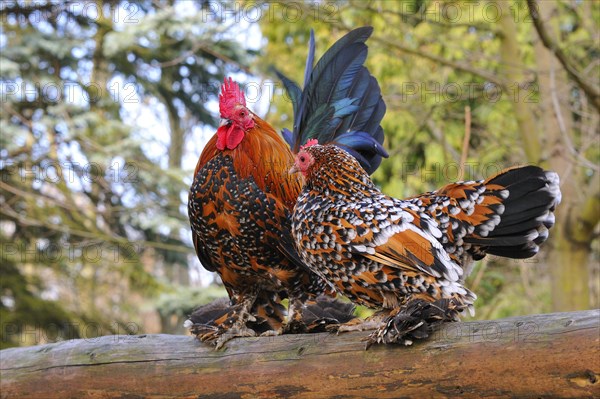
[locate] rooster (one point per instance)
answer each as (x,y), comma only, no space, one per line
(409,258)
(242,196)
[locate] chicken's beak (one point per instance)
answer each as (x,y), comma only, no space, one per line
(224,122)
(293,169)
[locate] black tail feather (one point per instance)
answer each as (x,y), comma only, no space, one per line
(528,213)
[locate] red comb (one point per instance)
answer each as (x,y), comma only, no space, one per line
(231,95)
(309,143)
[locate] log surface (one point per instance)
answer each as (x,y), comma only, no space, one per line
(551,355)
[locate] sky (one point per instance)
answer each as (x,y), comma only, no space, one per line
(149,117)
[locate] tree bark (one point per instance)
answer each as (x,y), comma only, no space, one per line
(514,76)
(570,252)
(552,355)
(590,88)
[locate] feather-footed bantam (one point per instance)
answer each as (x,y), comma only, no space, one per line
(242,196)
(408,258)
(318,315)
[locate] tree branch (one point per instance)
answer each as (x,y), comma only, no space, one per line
(460,66)
(587,219)
(418,15)
(443,61)
(578,157)
(205,48)
(532,356)
(589,89)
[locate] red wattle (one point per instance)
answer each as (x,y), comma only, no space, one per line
(222,137)
(229,137)
(234,137)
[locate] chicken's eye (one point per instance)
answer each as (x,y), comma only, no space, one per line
(302,158)
(242,113)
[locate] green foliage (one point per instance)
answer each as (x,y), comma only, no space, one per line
(91,212)
(94,226)
(432,60)
(26,311)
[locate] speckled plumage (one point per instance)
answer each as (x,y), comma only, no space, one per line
(237,222)
(242,195)
(239,208)
(386,253)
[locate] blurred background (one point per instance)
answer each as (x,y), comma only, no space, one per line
(106,106)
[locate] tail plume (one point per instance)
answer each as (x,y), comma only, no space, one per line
(532,195)
(507,215)
(341,102)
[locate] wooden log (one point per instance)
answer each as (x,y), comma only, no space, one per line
(538,356)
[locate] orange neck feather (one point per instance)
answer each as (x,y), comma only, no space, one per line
(264,155)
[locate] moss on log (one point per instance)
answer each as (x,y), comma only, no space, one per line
(550,355)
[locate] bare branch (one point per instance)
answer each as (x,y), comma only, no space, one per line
(460,66)
(589,88)
(206,48)
(562,127)
(419,16)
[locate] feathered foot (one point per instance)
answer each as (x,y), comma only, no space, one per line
(270,314)
(218,322)
(356,324)
(202,320)
(326,314)
(231,326)
(228,335)
(417,319)
(295,325)
(318,315)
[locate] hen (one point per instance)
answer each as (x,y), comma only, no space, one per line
(409,257)
(242,196)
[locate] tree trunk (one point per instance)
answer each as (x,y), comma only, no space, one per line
(515,79)
(553,355)
(177,134)
(569,255)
